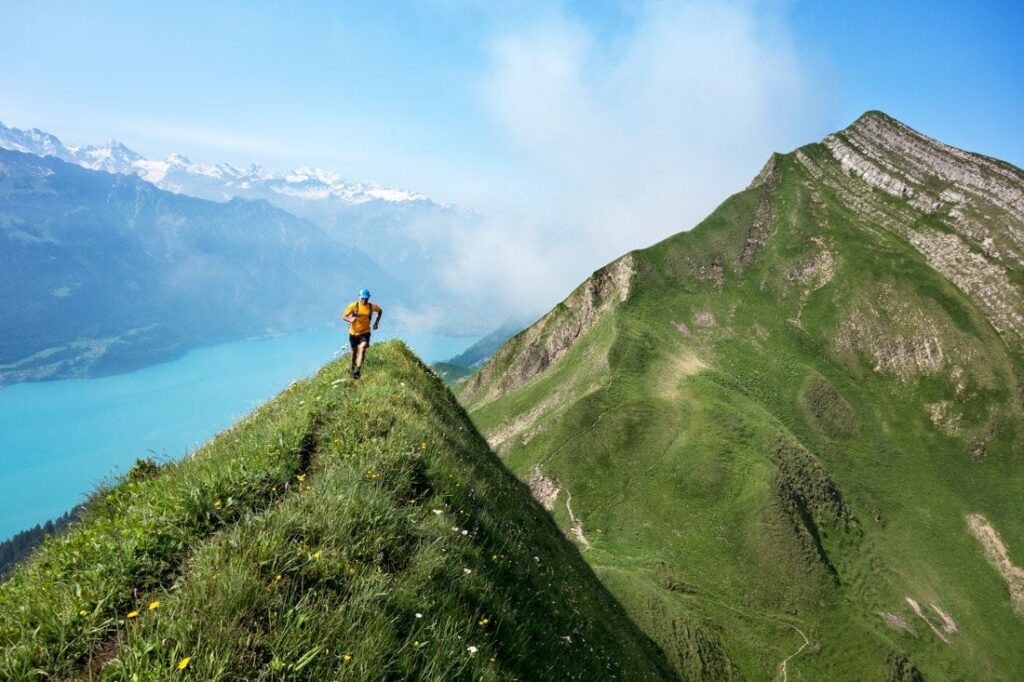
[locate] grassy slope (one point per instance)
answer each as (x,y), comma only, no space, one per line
(340,532)
(684,462)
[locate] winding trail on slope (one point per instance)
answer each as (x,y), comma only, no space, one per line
(784,664)
(574,523)
(785,661)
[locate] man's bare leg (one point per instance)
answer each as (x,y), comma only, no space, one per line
(360,354)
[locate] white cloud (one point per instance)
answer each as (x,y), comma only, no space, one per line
(635,139)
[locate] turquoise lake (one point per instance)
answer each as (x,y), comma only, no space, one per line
(59,439)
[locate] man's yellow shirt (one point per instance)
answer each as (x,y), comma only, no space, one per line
(362,311)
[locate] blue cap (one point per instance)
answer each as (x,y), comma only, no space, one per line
(364,293)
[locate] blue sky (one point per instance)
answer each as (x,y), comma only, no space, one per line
(583,128)
(390,90)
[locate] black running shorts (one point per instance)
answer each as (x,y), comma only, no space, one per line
(356,339)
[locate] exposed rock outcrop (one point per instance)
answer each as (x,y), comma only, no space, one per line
(544,343)
(917,351)
(905,177)
(998,556)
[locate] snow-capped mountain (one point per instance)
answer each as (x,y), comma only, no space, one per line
(219,182)
(33,141)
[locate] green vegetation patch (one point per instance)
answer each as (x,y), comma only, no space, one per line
(827,410)
(792,415)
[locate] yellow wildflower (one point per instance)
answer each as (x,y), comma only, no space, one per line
(483,622)
(132,614)
(183,663)
(423,446)
(347,657)
(301,477)
(154,605)
(315,555)
(277,578)
(216,504)
(83,613)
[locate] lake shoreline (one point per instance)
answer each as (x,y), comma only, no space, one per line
(62,437)
(142,358)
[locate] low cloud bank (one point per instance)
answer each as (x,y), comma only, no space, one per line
(629,139)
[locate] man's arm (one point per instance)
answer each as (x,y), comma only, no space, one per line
(380,313)
(349,315)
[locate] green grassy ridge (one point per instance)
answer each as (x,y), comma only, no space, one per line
(403,510)
(671,466)
(75,590)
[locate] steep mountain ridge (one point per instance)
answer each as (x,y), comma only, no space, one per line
(781,423)
(342,531)
(964,212)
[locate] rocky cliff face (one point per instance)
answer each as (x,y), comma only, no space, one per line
(547,340)
(963,212)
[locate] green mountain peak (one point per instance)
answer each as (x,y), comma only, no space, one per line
(777,433)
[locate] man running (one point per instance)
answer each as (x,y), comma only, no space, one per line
(358,315)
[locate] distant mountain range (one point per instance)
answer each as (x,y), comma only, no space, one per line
(405,232)
(218,182)
(100,272)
